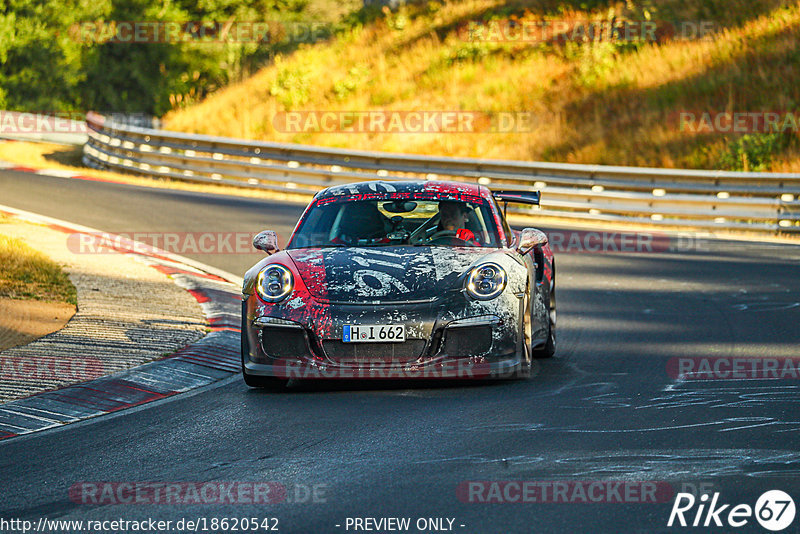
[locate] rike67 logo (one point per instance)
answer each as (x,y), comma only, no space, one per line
(774,510)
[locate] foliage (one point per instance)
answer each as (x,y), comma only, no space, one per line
(55,55)
(291,86)
(753,152)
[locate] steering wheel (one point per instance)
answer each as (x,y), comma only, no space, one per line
(418,235)
(447,235)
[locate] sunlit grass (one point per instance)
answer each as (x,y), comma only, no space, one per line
(591,102)
(28,274)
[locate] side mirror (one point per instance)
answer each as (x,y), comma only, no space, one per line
(530,238)
(266,241)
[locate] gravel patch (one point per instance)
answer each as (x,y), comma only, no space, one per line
(128,314)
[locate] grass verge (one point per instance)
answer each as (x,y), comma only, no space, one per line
(28,274)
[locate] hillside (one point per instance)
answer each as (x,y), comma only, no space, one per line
(611,101)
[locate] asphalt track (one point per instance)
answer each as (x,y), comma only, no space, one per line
(605,409)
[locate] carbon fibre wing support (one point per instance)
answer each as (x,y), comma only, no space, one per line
(518,197)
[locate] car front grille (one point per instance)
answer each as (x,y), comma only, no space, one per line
(405,352)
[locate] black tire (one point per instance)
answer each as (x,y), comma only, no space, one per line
(549,349)
(524,370)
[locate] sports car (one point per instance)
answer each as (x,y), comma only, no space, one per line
(414,279)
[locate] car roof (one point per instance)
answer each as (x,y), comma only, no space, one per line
(409,186)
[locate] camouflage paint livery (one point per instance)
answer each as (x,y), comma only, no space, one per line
(421,287)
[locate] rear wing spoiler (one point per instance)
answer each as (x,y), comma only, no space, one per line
(518,197)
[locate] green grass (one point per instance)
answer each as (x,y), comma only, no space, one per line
(28,274)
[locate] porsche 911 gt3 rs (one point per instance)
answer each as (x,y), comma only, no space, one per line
(400,280)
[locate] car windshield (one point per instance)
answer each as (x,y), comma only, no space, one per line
(385,222)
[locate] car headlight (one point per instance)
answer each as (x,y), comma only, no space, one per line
(486,281)
(274,283)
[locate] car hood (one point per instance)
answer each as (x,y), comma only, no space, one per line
(383,274)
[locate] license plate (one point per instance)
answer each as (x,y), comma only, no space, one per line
(373,333)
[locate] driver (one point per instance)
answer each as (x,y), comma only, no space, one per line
(453,218)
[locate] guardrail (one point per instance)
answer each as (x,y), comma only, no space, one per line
(762,202)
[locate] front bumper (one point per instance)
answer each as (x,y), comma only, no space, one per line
(467,344)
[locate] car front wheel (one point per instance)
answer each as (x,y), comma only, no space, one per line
(549,349)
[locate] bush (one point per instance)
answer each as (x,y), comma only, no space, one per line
(351,83)
(753,152)
(291,87)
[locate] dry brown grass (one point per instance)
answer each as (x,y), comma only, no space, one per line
(26,273)
(592,102)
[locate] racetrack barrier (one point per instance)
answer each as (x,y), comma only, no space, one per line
(750,201)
